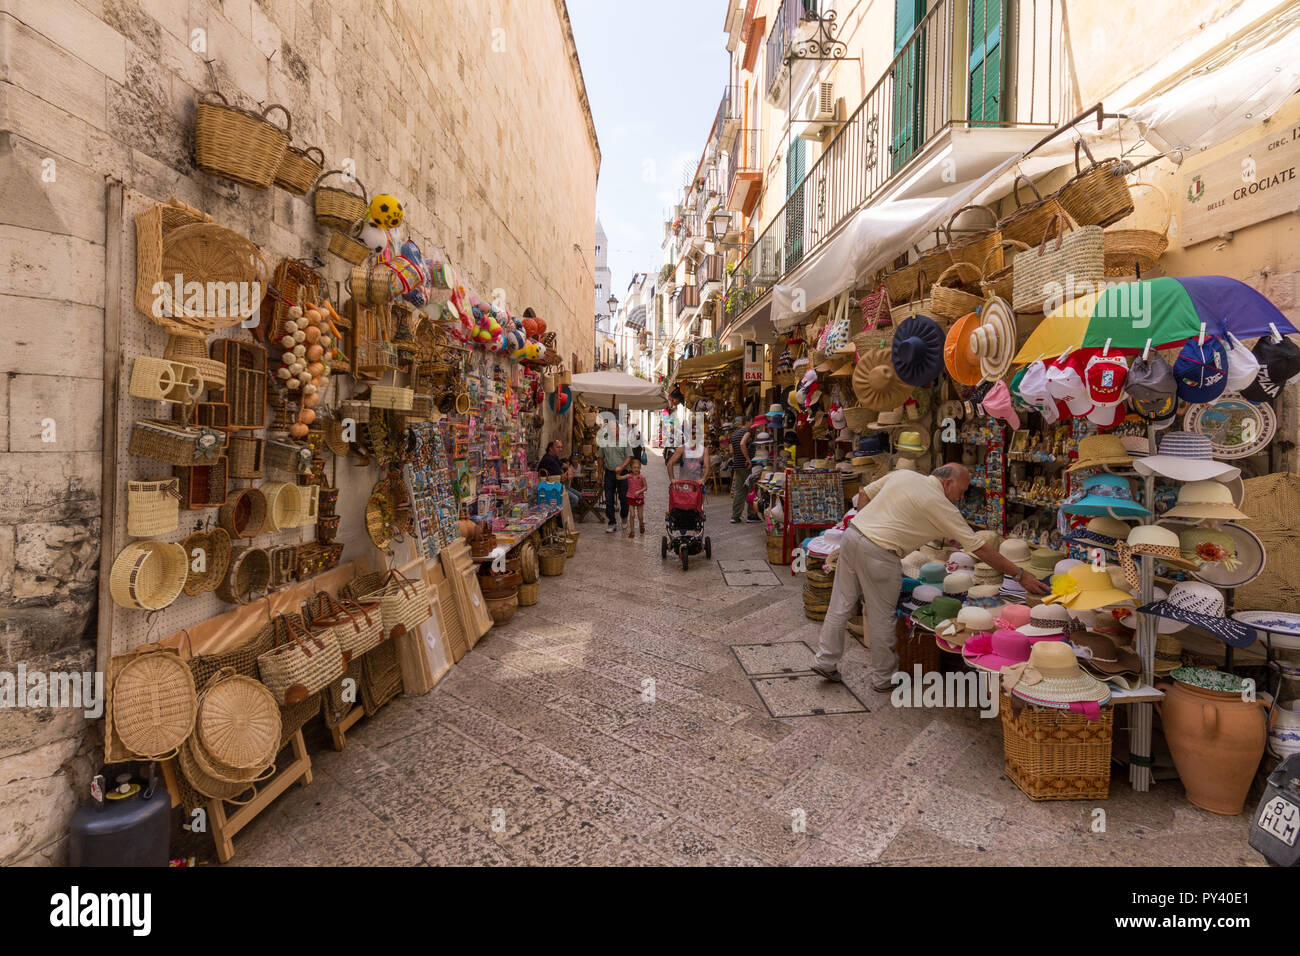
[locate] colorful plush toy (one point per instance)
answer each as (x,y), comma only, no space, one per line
(385,212)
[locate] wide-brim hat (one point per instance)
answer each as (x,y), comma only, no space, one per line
(940,609)
(1186,456)
(869,467)
(1166,625)
(1100,654)
(1245,566)
(1098,450)
(876,384)
(1013,616)
(1205,499)
(917,350)
(1002,648)
(994,340)
(1017,551)
(1052,675)
(1043,561)
(918,443)
(1086,588)
(1199,604)
(889,419)
(1097,502)
(1102,531)
(959,358)
(958,582)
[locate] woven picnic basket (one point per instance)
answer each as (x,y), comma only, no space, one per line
(1029,220)
(288,456)
(952,302)
(163,380)
(1053,754)
(299,169)
(247,578)
(152,507)
(238,144)
(244,513)
(237,730)
(303,664)
(148,575)
(1098,195)
(393,397)
(153,702)
(215,545)
(175,443)
(192,349)
(347,246)
(336,207)
(404,602)
(1136,251)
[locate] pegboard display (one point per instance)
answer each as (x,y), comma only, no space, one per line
(141,336)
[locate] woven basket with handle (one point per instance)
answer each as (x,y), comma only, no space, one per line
(1000,282)
(302,665)
(238,144)
(247,578)
(299,169)
(339,207)
(1098,195)
(245,454)
(1030,220)
(1136,251)
(347,246)
(359,627)
(974,248)
(952,302)
(237,731)
(1045,273)
(193,350)
(404,603)
(163,380)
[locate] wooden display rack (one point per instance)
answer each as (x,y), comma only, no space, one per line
(224,827)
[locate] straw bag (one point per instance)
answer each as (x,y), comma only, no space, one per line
(356,410)
(999,282)
(304,664)
(299,170)
(237,144)
(148,575)
(875,307)
(288,456)
(1130,251)
(337,208)
(162,380)
(1030,220)
(193,350)
(358,627)
(244,513)
(403,602)
(247,578)
(153,701)
(152,507)
(1045,273)
(951,302)
(974,249)
(1098,195)
(237,730)
(215,548)
(368,285)
(904,283)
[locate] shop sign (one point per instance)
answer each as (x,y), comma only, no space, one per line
(754,355)
(1243,187)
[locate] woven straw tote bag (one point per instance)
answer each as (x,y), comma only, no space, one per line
(304,664)
(1061,261)
(358,627)
(1030,220)
(403,602)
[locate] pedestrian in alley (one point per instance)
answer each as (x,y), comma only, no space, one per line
(616,456)
(741,436)
(636,486)
(896,515)
(555,468)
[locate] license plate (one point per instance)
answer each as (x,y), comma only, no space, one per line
(1280,818)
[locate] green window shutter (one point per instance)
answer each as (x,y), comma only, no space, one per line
(907,14)
(794,173)
(986,18)
(909,82)
(794,165)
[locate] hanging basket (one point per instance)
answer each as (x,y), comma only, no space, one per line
(338,208)
(148,575)
(218,259)
(193,350)
(281,505)
(238,144)
(1000,282)
(162,380)
(244,513)
(289,456)
(1098,195)
(1130,251)
(1030,220)
(152,507)
(215,548)
(975,248)
(245,456)
(153,702)
(950,302)
(1060,258)
(390,397)
(299,169)
(347,247)
(368,285)
(247,578)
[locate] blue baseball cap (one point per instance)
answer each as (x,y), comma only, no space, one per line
(1201,370)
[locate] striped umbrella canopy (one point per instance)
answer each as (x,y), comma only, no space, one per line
(1157,312)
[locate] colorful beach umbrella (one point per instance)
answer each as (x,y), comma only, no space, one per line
(1161,312)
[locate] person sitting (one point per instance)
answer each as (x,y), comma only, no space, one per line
(553,468)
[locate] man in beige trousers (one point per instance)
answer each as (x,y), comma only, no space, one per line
(896,515)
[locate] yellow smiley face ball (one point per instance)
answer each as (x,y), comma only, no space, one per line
(385,212)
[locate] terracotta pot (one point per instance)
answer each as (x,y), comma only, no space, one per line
(1216,740)
(502,609)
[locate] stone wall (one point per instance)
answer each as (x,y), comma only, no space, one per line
(475,115)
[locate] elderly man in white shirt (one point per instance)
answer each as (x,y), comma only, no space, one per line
(896,515)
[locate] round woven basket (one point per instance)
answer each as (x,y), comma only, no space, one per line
(528,594)
(368,285)
(193,350)
(237,144)
(1030,220)
(216,547)
(1129,251)
(209,785)
(339,208)
(154,703)
(483,545)
(502,609)
(528,568)
(499,585)
(152,507)
(148,575)
(298,170)
(244,513)
(215,257)
(237,727)
(551,560)
(1098,195)
(248,576)
(282,505)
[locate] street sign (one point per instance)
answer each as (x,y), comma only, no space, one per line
(754,355)
(1242,187)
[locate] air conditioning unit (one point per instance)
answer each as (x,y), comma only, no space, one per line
(818,111)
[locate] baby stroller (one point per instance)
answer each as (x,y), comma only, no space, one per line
(685,522)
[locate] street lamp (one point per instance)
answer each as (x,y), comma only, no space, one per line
(721,223)
(612,302)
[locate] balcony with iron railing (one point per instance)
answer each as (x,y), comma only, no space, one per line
(907,110)
(783,32)
(729,113)
(744,174)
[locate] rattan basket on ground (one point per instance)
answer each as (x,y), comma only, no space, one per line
(153,702)
(528,594)
(193,350)
(244,513)
(299,169)
(238,144)
(214,545)
(1056,754)
(339,207)
(528,567)
(381,677)
(551,558)
(152,507)
(148,575)
(502,609)
(247,578)
(237,727)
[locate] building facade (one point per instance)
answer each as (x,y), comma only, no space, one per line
(475,116)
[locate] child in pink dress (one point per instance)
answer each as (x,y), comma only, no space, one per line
(636,486)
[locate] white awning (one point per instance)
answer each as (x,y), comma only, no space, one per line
(612,389)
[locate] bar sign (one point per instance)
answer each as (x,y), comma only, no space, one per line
(754,354)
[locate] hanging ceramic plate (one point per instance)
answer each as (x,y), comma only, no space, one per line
(1283,627)
(1236,427)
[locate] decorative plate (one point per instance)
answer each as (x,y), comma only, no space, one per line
(1283,625)
(1237,428)
(1249,562)
(1208,679)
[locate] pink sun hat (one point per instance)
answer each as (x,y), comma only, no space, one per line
(1014,617)
(992,652)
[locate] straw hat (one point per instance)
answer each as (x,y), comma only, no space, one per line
(1165,625)
(1013,616)
(954,632)
(1086,588)
(1002,648)
(959,561)
(987,574)
(1205,499)
(958,356)
(1231,556)
(1098,450)
(888,420)
(916,443)
(903,463)
(1186,456)
(1045,620)
(1052,675)
(994,340)
(1043,562)
(1158,542)
(959,582)
(1169,653)
(984,595)
(1200,604)
(1102,531)
(1015,550)
(876,384)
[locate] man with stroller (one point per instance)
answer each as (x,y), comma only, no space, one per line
(896,515)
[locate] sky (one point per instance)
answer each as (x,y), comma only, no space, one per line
(655,73)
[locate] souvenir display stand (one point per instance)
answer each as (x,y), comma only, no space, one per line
(813,501)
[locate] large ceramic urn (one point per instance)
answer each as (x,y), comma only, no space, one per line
(1215,735)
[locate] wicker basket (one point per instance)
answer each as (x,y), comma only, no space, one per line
(237,730)
(775,546)
(288,456)
(298,170)
(483,545)
(551,559)
(404,602)
(161,380)
(329,498)
(245,390)
(281,505)
(209,785)
(528,568)
(284,564)
(356,410)
(244,514)
(203,486)
(1030,220)
(153,702)
(1054,754)
(308,505)
(338,208)
(347,247)
(502,609)
(217,258)
(952,303)
(527,595)
(193,350)
(148,575)
(247,578)
(381,677)
(392,397)
(571,544)
(245,455)
(974,249)
(150,228)
(1000,282)
(1098,195)
(369,285)
(327,528)
(856,418)
(237,144)
(906,283)
(915,647)
(152,507)
(1129,251)
(358,627)
(174,443)
(215,546)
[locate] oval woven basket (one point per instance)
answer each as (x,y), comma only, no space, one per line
(237,144)
(282,505)
(237,727)
(347,247)
(1130,251)
(502,609)
(950,302)
(154,704)
(148,575)
(152,507)
(244,513)
(215,545)
(1098,195)
(215,257)
(209,785)
(248,576)
(298,169)
(528,568)
(1030,220)
(336,207)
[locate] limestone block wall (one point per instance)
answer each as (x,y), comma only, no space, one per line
(475,115)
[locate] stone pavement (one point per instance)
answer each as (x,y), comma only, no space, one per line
(542,730)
